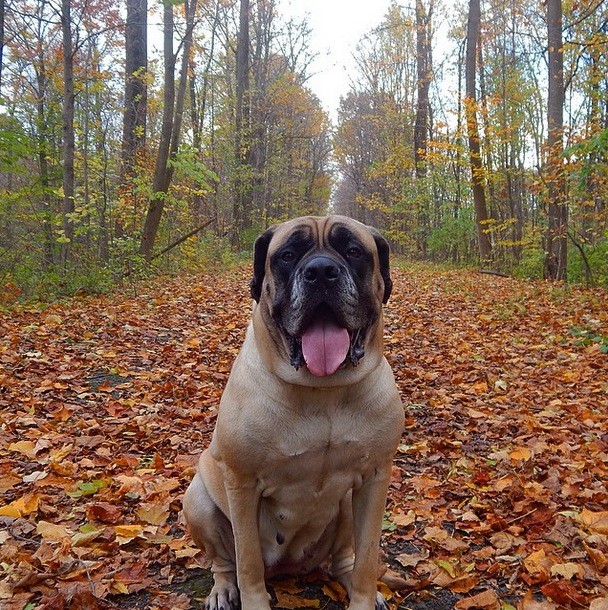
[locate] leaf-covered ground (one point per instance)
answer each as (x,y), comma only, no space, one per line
(499,496)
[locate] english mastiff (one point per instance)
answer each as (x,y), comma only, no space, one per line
(298,468)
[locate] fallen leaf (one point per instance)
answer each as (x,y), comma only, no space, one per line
(22,507)
(155,514)
(564,593)
(595,521)
(52,532)
(289,601)
(27,448)
(411,560)
(126,533)
(335,591)
(487,600)
(520,454)
(530,603)
(568,570)
(538,565)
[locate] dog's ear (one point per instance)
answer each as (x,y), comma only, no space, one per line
(383,256)
(260,250)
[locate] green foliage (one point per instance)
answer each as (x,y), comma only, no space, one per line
(188,163)
(454,239)
(597,258)
(593,156)
(587,336)
(46,285)
(15,146)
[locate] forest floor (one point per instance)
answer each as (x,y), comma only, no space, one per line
(499,493)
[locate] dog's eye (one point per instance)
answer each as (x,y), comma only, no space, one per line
(288,256)
(354,252)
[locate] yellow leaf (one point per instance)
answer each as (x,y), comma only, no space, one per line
(447,566)
(538,564)
(119,587)
(154,514)
(58,455)
(51,531)
(334,591)
(25,447)
(520,454)
(21,507)
(126,533)
(53,320)
(288,601)
(568,570)
(595,521)
(83,538)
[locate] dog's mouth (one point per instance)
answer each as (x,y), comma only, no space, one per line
(325,345)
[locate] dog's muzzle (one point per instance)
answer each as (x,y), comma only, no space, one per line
(323,302)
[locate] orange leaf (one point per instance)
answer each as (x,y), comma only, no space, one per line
(596,522)
(520,454)
(287,600)
(486,599)
(26,505)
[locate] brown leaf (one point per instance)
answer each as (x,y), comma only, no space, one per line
(529,603)
(486,600)
(595,521)
(104,512)
(288,601)
(565,594)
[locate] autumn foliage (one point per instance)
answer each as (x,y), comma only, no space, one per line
(498,498)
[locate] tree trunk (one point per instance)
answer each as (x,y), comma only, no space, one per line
(43,167)
(171,125)
(477,170)
(557,209)
(421,125)
(241,183)
(136,65)
(2,13)
(160,184)
(68,139)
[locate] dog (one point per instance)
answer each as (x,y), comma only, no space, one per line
(297,472)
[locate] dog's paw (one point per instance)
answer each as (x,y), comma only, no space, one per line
(223,597)
(380,602)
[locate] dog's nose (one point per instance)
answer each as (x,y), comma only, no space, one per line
(321,269)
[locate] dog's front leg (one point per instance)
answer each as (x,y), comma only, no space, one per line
(368,510)
(244,500)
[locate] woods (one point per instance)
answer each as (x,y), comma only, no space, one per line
(472,133)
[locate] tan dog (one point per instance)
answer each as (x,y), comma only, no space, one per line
(299,464)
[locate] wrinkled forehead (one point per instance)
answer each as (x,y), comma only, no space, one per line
(320,232)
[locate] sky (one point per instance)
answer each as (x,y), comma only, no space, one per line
(337,26)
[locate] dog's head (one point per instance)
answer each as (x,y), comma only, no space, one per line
(321,283)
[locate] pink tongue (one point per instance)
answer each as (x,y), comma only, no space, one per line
(325,345)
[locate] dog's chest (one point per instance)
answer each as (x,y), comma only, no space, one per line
(316,459)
